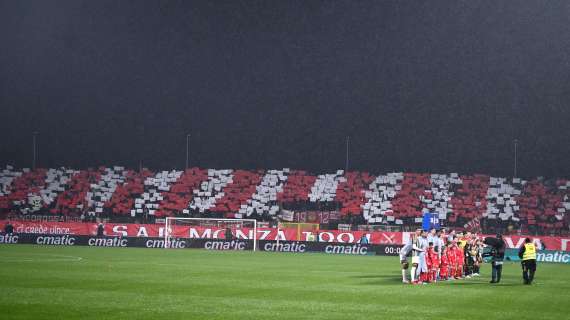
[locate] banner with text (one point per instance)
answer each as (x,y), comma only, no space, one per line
(241,245)
(541,256)
(208,244)
(196,232)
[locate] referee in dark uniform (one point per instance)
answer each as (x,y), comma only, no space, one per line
(527,253)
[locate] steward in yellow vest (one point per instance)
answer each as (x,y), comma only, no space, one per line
(527,253)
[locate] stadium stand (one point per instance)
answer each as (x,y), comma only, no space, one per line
(468,197)
(535,206)
(241,189)
(154,189)
(325,186)
(176,199)
(263,201)
(350,192)
(382,191)
(122,201)
(297,188)
(211,190)
(74,188)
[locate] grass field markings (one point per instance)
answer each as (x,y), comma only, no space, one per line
(36,258)
(60,296)
(287,287)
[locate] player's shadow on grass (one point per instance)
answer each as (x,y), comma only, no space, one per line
(386,279)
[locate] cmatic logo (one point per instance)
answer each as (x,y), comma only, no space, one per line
(107,242)
(7,238)
(224,245)
(340,249)
(55,240)
(174,244)
(285,247)
(560,257)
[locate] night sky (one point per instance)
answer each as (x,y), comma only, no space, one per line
(420,86)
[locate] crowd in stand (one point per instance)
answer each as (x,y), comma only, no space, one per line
(497,205)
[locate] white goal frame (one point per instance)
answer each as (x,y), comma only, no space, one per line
(167,227)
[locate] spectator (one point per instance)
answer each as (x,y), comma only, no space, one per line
(8,228)
(100,230)
(311,237)
(228,235)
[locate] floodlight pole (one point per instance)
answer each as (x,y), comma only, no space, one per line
(34,149)
(187,148)
(515,162)
(346,163)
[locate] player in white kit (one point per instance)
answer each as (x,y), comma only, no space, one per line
(404,259)
(438,244)
(419,246)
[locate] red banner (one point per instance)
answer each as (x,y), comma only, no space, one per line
(157,230)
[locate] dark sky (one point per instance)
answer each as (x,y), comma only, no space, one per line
(423,86)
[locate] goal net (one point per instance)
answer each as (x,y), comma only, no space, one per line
(211,228)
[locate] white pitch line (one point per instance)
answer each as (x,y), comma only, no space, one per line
(55,258)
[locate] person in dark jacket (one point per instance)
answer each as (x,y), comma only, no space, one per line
(100,230)
(228,235)
(497,256)
(8,228)
(527,253)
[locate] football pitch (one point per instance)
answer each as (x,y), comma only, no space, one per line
(41,282)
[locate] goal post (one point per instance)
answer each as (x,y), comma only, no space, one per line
(241,229)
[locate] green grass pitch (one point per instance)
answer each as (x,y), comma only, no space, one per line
(40,282)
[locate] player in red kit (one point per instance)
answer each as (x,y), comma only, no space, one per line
(444,265)
(429,260)
(460,260)
(452,258)
(435,262)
